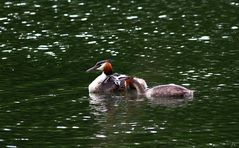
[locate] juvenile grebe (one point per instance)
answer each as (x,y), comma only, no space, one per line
(107,81)
(169,90)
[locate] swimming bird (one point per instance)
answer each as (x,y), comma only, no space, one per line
(168,90)
(109,81)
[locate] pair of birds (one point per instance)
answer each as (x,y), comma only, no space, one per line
(110,82)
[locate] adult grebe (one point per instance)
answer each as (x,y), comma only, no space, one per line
(107,81)
(169,90)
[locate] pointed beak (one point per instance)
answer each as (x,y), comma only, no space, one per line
(92,68)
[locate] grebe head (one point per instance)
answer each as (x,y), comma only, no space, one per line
(129,82)
(104,65)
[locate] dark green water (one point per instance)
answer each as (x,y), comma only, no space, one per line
(46,46)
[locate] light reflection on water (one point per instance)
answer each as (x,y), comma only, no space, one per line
(46,47)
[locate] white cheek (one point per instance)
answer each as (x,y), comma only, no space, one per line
(101,67)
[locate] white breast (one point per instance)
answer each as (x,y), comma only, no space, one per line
(94,86)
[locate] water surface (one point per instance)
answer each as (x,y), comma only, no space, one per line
(46,46)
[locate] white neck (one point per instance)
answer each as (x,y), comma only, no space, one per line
(93,87)
(140,89)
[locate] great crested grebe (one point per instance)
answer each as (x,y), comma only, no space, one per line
(107,81)
(169,90)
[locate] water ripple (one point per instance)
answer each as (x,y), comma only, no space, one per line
(46,48)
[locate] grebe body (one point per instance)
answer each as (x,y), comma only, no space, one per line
(169,90)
